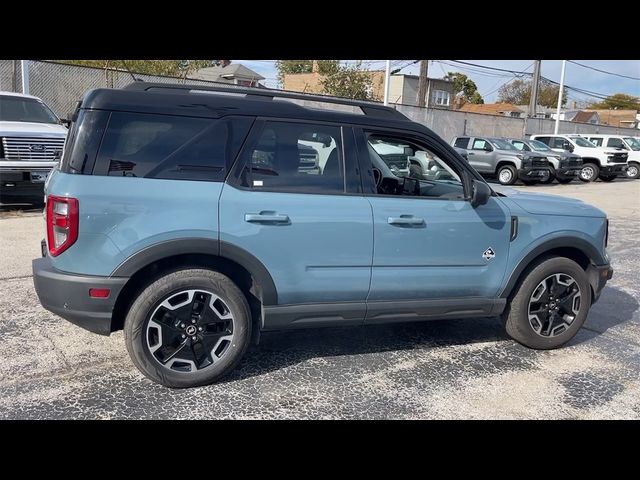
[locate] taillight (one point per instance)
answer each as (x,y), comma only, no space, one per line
(62,223)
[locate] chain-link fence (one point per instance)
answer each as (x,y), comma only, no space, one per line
(61,85)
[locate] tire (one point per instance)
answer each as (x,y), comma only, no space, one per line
(607,178)
(589,173)
(507,178)
(415,171)
(550,178)
(172,290)
(516,316)
(564,181)
(634,170)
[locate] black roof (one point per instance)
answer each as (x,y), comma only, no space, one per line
(215,102)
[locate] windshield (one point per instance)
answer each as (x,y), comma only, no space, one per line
(20,109)
(539,146)
(633,143)
(502,144)
(582,142)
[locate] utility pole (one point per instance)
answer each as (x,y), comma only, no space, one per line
(24,67)
(422,83)
(564,65)
(533,101)
(387,78)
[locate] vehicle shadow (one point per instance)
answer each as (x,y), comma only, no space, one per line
(278,350)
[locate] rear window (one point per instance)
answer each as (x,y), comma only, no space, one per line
(166,146)
(461,142)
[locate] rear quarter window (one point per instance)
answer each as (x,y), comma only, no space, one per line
(461,142)
(170,147)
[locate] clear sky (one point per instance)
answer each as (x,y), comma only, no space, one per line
(490,81)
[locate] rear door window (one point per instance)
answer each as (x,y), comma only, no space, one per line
(170,147)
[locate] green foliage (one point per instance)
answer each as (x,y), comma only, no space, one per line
(174,68)
(349,82)
(518,92)
(618,101)
(325,67)
(464,88)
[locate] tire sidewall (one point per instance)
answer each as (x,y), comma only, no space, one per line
(637,167)
(139,315)
(594,168)
(514,175)
(518,326)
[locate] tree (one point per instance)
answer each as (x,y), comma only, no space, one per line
(349,82)
(464,88)
(618,101)
(518,92)
(172,68)
(285,67)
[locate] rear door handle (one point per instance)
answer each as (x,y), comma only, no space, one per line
(470,153)
(406,221)
(266,217)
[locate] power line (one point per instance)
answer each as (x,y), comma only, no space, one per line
(603,71)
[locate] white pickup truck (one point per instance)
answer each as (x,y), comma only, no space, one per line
(31,142)
(597,162)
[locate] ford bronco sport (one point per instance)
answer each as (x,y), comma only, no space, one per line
(190,219)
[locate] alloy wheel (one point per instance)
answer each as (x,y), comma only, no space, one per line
(190,330)
(554,305)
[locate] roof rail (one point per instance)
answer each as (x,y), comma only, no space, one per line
(368,108)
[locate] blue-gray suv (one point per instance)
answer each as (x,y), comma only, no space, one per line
(195,218)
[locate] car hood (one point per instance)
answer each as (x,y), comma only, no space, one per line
(545,204)
(32,129)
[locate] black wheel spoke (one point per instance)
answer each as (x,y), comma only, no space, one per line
(551,304)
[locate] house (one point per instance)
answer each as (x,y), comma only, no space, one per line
(504,109)
(234,73)
(403,89)
(579,116)
(541,111)
(619,118)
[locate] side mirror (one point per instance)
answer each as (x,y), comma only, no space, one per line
(567,146)
(487,148)
(480,193)
(66,122)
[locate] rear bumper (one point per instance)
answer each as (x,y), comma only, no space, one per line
(67,295)
(598,277)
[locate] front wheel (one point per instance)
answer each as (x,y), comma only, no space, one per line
(607,178)
(589,172)
(550,304)
(507,175)
(188,328)
(634,170)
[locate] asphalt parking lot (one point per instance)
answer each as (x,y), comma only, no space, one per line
(462,369)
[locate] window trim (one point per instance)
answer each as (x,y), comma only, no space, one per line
(233,178)
(481,149)
(363,131)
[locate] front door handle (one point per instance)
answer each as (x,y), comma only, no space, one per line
(266,217)
(406,221)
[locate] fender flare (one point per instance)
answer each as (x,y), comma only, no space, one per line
(204,246)
(592,253)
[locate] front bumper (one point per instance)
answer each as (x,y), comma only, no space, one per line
(67,295)
(619,169)
(534,173)
(568,172)
(598,276)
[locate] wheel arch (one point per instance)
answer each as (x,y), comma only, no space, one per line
(574,248)
(591,160)
(143,267)
(502,163)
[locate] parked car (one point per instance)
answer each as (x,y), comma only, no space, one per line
(631,144)
(186,219)
(564,166)
(31,141)
(597,162)
(396,156)
(497,157)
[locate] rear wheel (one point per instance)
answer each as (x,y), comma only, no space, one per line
(188,328)
(507,175)
(634,170)
(550,304)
